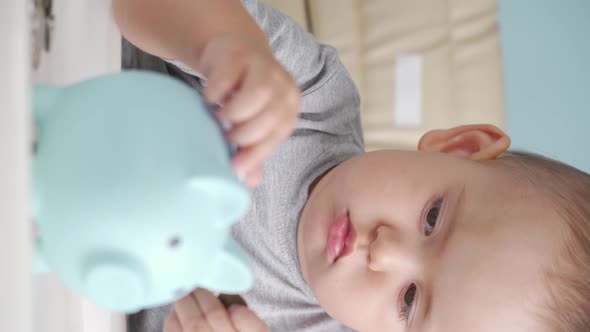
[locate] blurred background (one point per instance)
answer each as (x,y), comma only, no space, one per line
(522,65)
(546,55)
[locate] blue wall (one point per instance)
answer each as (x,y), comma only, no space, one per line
(546,51)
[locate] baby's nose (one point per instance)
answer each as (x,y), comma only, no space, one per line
(387,253)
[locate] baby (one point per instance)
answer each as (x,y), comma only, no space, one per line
(460,235)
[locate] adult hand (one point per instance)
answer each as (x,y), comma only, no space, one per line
(201,311)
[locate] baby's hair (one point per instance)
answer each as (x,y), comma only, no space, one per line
(568,279)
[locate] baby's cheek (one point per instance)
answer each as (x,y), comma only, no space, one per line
(342,296)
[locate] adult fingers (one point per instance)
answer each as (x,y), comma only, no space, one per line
(190,316)
(214,311)
(245,320)
(172,324)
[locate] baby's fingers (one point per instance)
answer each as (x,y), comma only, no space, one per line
(254,130)
(245,320)
(256,90)
(250,157)
(254,177)
(223,80)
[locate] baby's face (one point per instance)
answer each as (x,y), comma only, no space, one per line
(414,241)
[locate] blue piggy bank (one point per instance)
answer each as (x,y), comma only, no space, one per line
(133,192)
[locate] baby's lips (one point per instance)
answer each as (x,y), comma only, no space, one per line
(349,241)
(341,237)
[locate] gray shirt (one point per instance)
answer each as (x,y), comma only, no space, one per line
(328,132)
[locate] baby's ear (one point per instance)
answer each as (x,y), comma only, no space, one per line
(477,142)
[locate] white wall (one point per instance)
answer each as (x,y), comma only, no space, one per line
(85,43)
(546,52)
(15,279)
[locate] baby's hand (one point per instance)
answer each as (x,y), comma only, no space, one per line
(259,99)
(200,311)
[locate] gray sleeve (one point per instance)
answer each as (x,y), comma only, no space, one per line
(296,49)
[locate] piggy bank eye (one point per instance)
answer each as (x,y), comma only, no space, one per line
(174,242)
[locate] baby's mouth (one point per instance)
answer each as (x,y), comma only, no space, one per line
(341,238)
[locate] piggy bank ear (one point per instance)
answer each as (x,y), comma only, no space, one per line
(230,273)
(39,264)
(224,200)
(44,100)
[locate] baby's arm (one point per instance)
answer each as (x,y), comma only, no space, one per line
(180,29)
(219,39)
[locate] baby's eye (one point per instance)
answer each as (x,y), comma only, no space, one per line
(432,217)
(407,302)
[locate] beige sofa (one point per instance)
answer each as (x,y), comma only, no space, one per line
(419,64)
